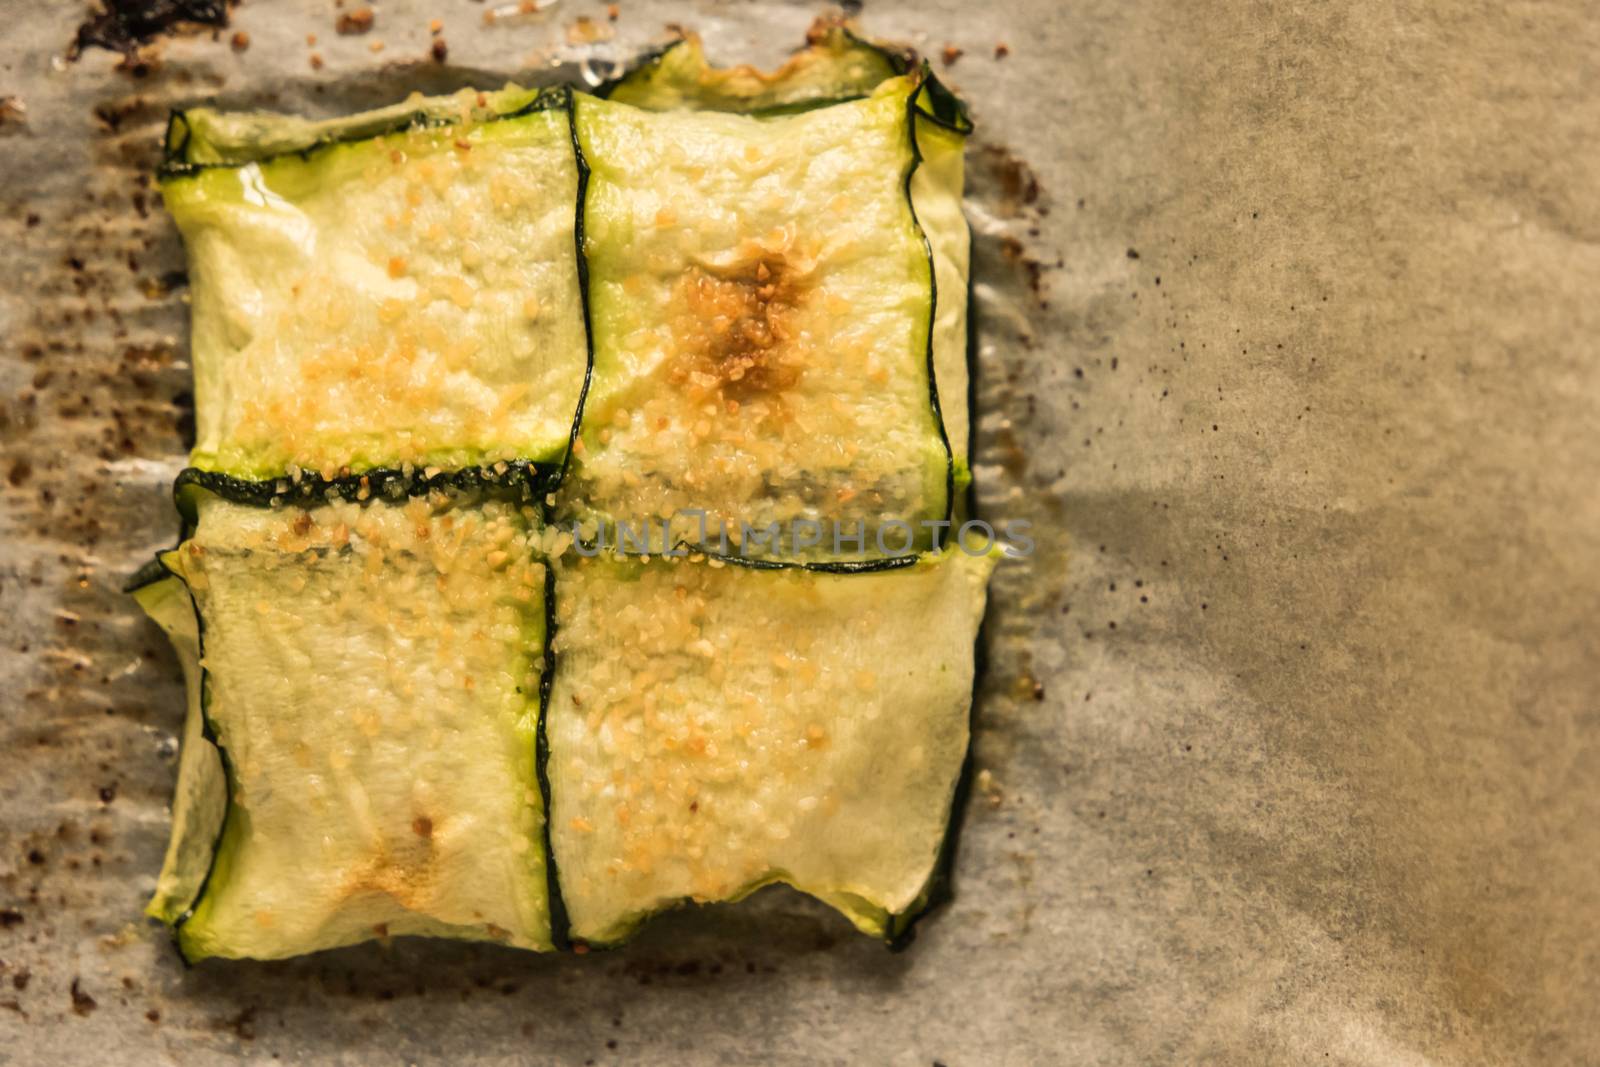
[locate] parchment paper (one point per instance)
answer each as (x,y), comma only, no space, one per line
(1287,320)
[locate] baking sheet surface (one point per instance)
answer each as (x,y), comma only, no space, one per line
(1291,727)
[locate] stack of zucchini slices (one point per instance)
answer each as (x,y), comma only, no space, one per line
(443,353)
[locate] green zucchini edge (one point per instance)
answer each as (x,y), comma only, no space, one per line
(531,480)
(926,79)
(361,127)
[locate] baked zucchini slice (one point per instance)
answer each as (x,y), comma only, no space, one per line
(761,301)
(364,301)
(371,681)
(835,65)
(717,727)
(838,65)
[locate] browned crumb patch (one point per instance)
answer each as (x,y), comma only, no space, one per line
(734,330)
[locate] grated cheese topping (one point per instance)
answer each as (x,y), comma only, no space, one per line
(713,729)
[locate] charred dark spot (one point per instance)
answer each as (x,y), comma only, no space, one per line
(21,470)
(243,1025)
(82,1002)
(124,25)
(10,917)
(422,826)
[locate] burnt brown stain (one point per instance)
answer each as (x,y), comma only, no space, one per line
(105,375)
(735,336)
(1010,453)
(1016,193)
(1016,181)
(241,1024)
(113,114)
(1016,253)
(82,1002)
(124,25)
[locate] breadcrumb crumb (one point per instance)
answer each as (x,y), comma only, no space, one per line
(358,21)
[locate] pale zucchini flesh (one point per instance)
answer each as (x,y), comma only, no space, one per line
(372,678)
(716,728)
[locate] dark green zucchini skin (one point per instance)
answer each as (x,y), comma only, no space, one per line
(526,481)
(943,106)
(150,573)
(560,927)
(579,240)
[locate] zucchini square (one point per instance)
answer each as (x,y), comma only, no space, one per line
(714,728)
(761,301)
(370,682)
(367,300)
(837,65)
